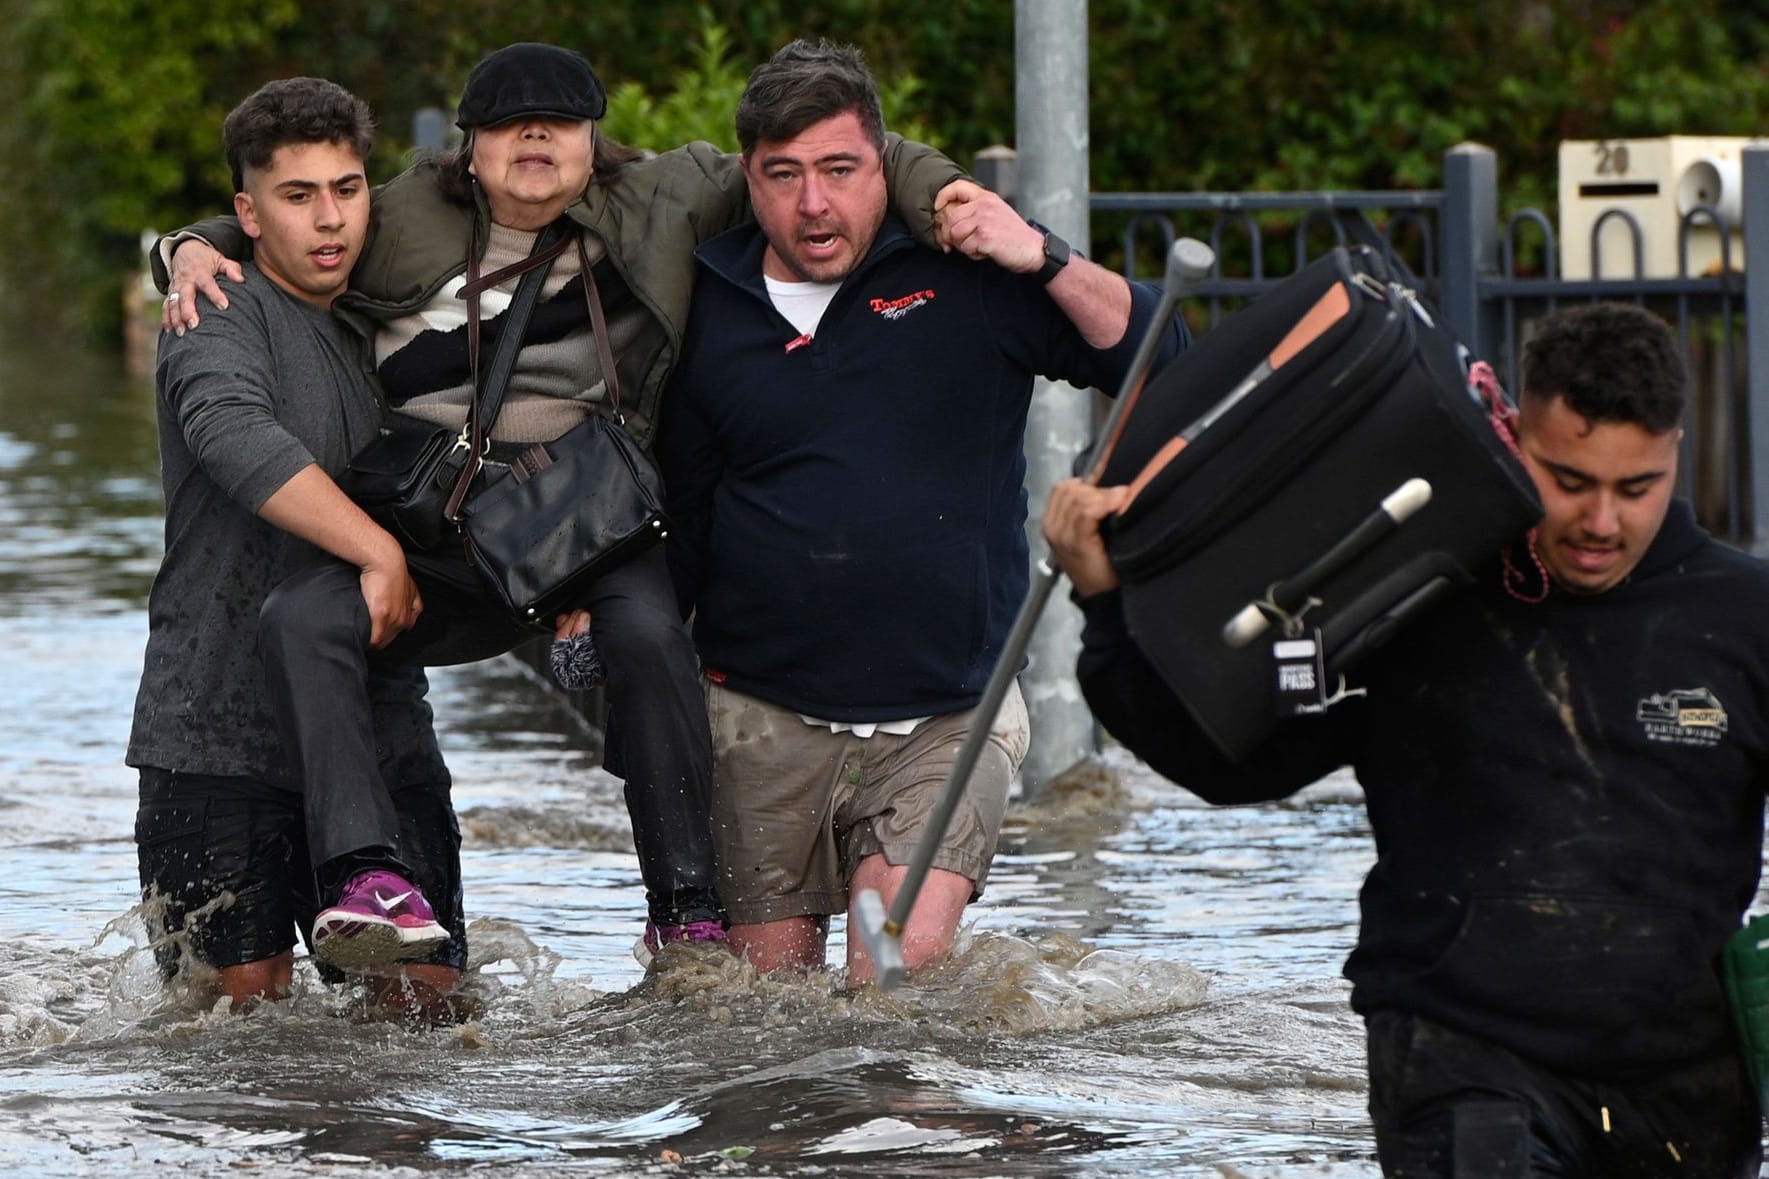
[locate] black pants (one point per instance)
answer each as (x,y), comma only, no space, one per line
(199,837)
(314,641)
(1452,1106)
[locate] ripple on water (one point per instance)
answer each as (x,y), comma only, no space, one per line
(14,451)
(575,824)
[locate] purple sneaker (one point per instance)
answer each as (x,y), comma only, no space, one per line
(658,936)
(380,919)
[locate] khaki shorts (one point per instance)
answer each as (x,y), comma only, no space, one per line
(796,807)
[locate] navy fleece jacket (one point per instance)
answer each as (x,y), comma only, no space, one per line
(849,511)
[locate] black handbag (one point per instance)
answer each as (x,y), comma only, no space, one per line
(411,478)
(403,478)
(569,510)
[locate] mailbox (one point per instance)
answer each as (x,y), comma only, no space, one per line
(1617,195)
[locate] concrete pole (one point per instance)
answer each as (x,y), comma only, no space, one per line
(1051,106)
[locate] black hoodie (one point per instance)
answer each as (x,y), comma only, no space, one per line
(1566,797)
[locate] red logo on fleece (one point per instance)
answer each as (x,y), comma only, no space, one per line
(898,308)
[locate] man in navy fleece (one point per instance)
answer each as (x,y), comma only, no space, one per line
(843,448)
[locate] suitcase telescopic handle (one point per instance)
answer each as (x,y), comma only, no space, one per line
(1189,262)
(1287,598)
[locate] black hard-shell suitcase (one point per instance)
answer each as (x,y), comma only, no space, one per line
(1257,560)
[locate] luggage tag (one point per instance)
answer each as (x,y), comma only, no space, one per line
(1299,675)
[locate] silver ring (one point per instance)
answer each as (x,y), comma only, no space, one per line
(173,297)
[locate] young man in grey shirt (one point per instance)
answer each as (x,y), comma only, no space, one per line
(257,413)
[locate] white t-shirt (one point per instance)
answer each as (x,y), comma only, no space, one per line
(803,303)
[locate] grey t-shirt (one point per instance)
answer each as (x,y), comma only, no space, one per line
(251,397)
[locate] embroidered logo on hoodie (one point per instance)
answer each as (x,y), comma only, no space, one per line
(898,308)
(1683,716)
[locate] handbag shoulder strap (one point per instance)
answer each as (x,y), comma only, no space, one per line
(599,325)
(490,386)
(548,245)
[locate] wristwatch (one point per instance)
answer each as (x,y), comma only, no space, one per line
(1056,256)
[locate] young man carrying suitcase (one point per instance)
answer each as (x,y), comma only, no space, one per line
(1566,790)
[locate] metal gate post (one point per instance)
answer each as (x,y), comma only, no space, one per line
(1470,241)
(1756,337)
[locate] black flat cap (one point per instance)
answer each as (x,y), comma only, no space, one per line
(530,79)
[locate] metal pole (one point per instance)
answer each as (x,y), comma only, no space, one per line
(996,168)
(430,128)
(1756,342)
(1188,263)
(1470,240)
(1051,105)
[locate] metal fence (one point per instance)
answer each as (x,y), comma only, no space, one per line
(1490,278)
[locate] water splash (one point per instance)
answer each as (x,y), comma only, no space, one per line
(992,984)
(998,984)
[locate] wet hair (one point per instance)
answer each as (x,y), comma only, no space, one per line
(805,83)
(454,176)
(293,110)
(1610,362)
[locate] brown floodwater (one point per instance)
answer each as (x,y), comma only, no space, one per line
(1149,987)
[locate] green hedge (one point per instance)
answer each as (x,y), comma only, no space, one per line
(113,107)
